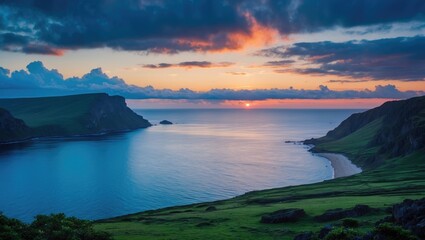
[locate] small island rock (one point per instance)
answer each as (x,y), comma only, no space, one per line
(165,122)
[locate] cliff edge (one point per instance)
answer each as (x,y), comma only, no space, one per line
(394,129)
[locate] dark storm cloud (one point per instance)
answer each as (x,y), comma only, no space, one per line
(129,24)
(171,26)
(189,64)
(384,59)
(40,81)
(315,15)
(41,49)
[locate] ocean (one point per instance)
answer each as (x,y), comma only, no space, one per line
(205,155)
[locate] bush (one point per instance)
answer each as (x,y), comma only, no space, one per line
(342,234)
(350,223)
(51,227)
(11,229)
(391,232)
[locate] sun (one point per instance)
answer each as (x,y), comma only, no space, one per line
(247,105)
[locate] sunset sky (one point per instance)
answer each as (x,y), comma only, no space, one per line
(234,51)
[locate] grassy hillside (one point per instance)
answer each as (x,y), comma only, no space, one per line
(48,111)
(74,115)
(389,178)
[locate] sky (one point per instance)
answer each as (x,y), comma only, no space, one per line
(216,53)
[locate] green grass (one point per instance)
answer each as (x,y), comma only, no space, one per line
(239,218)
(356,145)
(46,113)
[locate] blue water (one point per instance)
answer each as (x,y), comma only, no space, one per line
(207,155)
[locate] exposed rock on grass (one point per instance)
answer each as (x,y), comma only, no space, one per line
(336,214)
(285,215)
(411,215)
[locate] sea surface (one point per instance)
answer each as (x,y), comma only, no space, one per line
(206,155)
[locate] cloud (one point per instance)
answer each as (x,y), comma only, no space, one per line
(400,58)
(188,65)
(342,81)
(281,63)
(381,28)
(295,16)
(37,80)
(162,26)
(42,49)
(237,73)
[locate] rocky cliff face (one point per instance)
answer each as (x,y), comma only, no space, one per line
(12,129)
(402,130)
(110,113)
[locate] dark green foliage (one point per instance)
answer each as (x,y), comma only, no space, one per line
(51,227)
(11,229)
(389,231)
(342,234)
(350,223)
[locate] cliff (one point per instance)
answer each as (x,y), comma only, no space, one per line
(110,113)
(394,129)
(65,116)
(12,129)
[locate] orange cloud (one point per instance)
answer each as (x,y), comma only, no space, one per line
(257,36)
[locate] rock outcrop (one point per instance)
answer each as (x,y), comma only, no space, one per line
(411,215)
(110,113)
(336,214)
(284,215)
(12,129)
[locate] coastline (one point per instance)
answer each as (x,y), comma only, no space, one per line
(341,165)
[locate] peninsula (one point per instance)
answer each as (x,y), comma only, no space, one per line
(66,116)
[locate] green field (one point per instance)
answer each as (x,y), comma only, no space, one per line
(385,182)
(74,115)
(63,112)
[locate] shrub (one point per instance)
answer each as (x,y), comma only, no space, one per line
(342,234)
(350,223)
(391,232)
(50,227)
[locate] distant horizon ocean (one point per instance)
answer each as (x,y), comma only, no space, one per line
(206,155)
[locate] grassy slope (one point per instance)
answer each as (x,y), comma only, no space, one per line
(239,218)
(63,112)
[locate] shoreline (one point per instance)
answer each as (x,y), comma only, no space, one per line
(342,166)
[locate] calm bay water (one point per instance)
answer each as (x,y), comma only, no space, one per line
(207,155)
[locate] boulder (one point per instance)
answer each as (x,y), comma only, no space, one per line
(336,214)
(284,215)
(210,209)
(411,215)
(325,231)
(304,236)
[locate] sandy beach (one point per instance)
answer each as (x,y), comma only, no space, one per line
(341,164)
